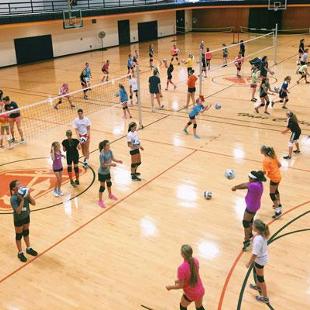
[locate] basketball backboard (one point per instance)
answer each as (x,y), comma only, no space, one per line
(275,5)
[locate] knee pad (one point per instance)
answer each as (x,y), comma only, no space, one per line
(182,308)
(101,189)
(189,123)
(286,100)
(124,108)
(109,183)
(267,103)
(133,166)
(290,144)
(69,169)
(76,169)
(130,96)
(246,224)
(200,308)
(195,126)
(260,279)
(138,164)
(277,192)
(26,232)
(273,196)
(18,236)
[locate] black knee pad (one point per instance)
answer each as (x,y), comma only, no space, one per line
(26,232)
(18,236)
(182,308)
(273,196)
(69,169)
(260,279)
(101,189)
(76,169)
(138,164)
(133,166)
(189,123)
(124,108)
(286,100)
(195,126)
(130,96)
(109,183)
(246,224)
(200,308)
(267,103)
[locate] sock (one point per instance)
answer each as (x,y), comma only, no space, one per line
(70,175)
(278,210)
(29,247)
(20,252)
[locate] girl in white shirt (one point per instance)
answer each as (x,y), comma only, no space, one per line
(260,258)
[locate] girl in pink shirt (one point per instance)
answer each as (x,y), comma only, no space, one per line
(189,280)
(208,58)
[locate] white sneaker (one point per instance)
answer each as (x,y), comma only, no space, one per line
(60,193)
(22,141)
(55,193)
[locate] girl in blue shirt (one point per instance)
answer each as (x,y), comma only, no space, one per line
(197,108)
(123,98)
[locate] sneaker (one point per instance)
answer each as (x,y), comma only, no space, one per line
(55,193)
(262,299)
(60,193)
(284,107)
(296,151)
(161,107)
(85,97)
(22,141)
(112,197)
(135,178)
(85,165)
(185,130)
(22,257)
(175,87)
(72,106)
(77,182)
(256,110)
(287,157)
(31,252)
(55,107)
(272,104)
(253,100)
(196,136)
(266,112)
(254,287)
(101,204)
(137,173)
(72,183)
(277,215)
(246,244)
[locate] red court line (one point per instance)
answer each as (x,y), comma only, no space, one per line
(232,268)
(95,217)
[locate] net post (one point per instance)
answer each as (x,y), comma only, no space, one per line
(275,44)
(139,97)
(200,72)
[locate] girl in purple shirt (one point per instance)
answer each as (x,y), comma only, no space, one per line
(57,167)
(253,200)
(189,280)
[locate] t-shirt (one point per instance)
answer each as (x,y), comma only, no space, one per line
(81,125)
(169,71)
(15,201)
(154,82)
(208,55)
(255,77)
(260,249)
(70,146)
(12,106)
(190,62)
(253,196)
(242,47)
(225,51)
(191,81)
(105,67)
(133,138)
(284,86)
(3,117)
(238,61)
(184,274)
(304,57)
(197,108)
(105,158)
(130,63)
(123,97)
(63,90)
(271,167)
(263,66)
(293,126)
(302,69)
(57,163)
(133,83)
(87,72)
(83,77)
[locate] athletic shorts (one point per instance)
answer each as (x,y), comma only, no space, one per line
(72,159)
(253,85)
(134,152)
(104,177)
(5,126)
(262,95)
(14,119)
(191,117)
(58,170)
(282,94)
(258,266)
(295,136)
(186,298)
(191,90)
(303,63)
(189,69)
(274,183)
(151,56)
(169,77)
(25,221)
(250,212)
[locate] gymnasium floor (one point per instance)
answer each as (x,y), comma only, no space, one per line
(123,256)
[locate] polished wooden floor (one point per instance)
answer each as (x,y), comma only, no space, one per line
(122,257)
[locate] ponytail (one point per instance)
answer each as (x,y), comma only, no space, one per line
(268,151)
(12,185)
(187,253)
(131,125)
(262,228)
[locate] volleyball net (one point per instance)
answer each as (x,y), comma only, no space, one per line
(42,117)
(289,31)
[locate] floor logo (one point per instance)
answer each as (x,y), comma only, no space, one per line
(40,181)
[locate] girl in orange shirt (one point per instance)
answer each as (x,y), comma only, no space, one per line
(191,88)
(271,167)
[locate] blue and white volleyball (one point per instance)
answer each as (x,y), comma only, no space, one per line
(83,140)
(217,106)
(23,191)
(230,174)
(207,195)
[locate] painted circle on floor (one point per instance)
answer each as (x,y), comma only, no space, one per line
(243,81)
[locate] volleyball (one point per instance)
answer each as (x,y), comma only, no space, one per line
(217,106)
(23,191)
(230,174)
(207,195)
(83,139)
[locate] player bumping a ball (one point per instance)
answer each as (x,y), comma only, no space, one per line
(253,202)
(20,201)
(82,128)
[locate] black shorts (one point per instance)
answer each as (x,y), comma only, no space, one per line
(58,170)
(258,266)
(72,159)
(104,177)
(282,94)
(262,95)
(169,77)
(151,55)
(134,152)
(203,62)
(191,90)
(295,136)
(303,63)
(105,71)
(189,69)
(186,298)
(192,117)
(21,222)
(154,92)
(274,183)
(250,212)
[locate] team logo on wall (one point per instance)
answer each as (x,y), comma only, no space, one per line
(40,181)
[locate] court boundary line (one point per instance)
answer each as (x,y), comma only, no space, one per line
(67,236)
